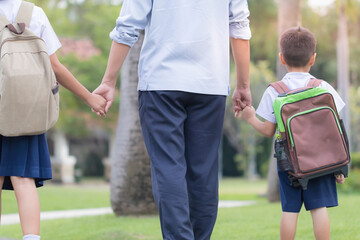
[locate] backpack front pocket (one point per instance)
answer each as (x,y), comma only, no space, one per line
(316,138)
(28,105)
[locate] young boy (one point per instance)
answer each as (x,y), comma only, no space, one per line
(297,46)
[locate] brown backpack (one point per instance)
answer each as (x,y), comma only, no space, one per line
(312,141)
(29,99)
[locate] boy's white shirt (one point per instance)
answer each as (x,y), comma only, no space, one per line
(39,23)
(292,80)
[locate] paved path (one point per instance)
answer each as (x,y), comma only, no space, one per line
(8,219)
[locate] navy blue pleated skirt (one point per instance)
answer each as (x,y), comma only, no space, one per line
(25,156)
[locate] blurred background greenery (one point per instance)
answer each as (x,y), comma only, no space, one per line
(83,27)
(92,20)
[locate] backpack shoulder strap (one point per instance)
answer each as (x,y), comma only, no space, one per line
(25,13)
(314,82)
(3,22)
(280,87)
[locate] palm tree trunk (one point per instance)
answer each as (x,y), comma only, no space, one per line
(289,15)
(251,168)
(130,171)
(343,78)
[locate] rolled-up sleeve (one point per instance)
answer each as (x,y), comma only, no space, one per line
(134,16)
(239,19)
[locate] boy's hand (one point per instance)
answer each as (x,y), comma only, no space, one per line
(97,104)
(340,178)
(247,113)
(240,99)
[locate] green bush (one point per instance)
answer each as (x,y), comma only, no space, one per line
(355,160)
(352,183)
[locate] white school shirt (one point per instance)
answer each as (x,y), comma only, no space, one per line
(292,80)
(186,45)
(39,23)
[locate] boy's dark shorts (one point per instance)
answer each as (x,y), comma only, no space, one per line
(321,192)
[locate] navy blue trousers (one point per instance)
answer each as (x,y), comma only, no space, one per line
(182,132)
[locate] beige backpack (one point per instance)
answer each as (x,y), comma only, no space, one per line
(29,99)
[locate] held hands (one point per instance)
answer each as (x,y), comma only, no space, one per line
(97,104)
(106,92)
(240,99)
(247,113)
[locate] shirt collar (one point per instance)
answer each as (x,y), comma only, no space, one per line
(298,75)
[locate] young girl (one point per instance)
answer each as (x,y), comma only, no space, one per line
(25,160)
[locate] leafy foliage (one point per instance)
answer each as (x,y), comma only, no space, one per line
(94,19)
(90,20)
(355,160)
(264,33)
(239,133)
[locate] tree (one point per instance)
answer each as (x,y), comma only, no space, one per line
(345,7)
(130,169)
(263,23)
(289,15)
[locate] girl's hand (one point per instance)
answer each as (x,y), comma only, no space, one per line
(97,104)
(340,178)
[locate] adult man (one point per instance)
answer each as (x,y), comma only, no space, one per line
(183,83)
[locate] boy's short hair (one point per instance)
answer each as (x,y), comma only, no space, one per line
(297,46)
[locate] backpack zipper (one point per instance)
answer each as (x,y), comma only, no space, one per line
(19,39)
(282,120)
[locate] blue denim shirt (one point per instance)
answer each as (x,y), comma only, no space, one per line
(186,45)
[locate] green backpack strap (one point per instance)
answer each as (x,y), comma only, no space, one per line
(314,82)
(280,87)
(25,13)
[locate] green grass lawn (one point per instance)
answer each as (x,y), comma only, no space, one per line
(260,221)
(57,197)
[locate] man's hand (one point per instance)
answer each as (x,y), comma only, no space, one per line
(241,53)
(107,91)
(240,99)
